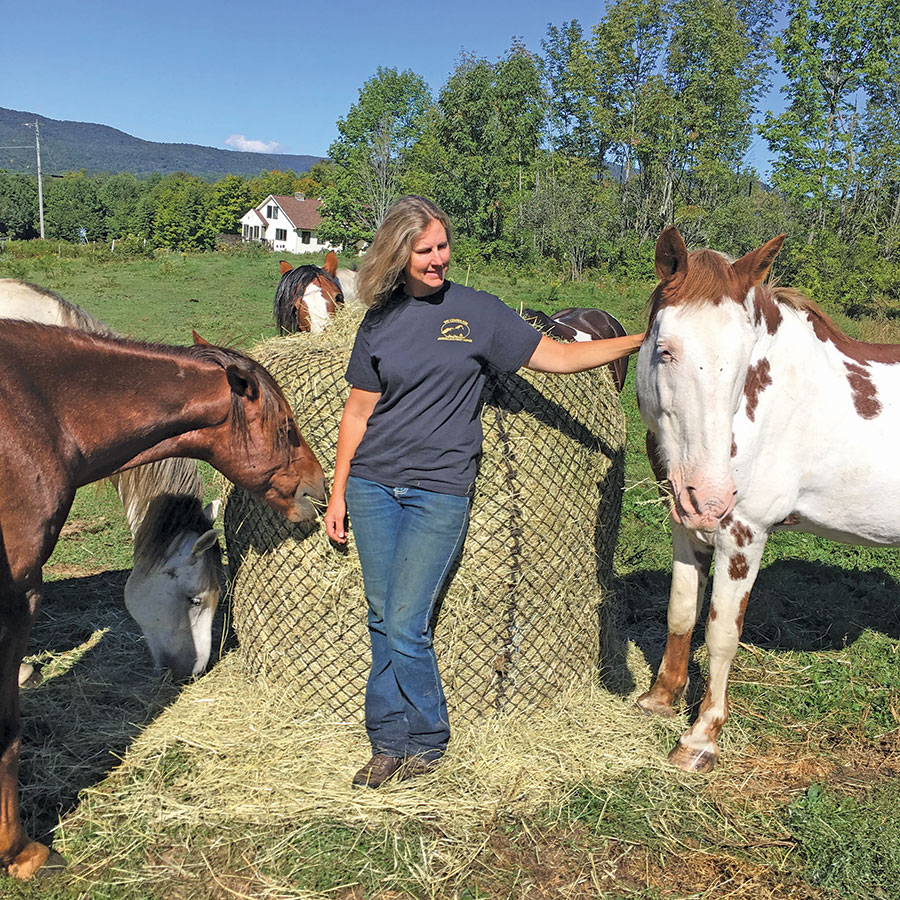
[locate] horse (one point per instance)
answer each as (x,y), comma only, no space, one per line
(77,407)
(583,324)
(762,415)
(175,583)
(307,297)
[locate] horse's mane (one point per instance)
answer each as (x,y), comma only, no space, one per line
(168,497)
(293,282)
(273,403)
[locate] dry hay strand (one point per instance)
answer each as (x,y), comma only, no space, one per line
(519,620)
(237,757)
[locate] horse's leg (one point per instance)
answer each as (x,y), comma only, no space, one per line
(21,856)
(690,573)
(738,554)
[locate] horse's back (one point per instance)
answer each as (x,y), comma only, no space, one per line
(21,300)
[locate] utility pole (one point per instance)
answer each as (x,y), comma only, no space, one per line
(37,147)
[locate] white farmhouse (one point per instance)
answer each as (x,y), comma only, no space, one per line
(286,224)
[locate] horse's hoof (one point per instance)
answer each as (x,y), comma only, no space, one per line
(699,761)
(29,676)
(35,860)
(650,706)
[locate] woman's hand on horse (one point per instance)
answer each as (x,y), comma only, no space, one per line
(336,519)
(562,358)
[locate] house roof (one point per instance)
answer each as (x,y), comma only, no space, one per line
(302,213)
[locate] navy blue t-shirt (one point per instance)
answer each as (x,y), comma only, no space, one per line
(428,358)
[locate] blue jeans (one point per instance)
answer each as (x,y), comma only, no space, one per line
(407,540)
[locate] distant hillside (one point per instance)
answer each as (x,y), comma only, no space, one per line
(72,146)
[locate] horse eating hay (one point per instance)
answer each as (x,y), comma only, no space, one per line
(174,587)
(77,407)
(307,297)
(519,620)
(762,416)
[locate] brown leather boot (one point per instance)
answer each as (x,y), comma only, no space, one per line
(377,771)
(414,766)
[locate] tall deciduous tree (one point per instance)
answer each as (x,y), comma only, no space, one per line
(371,154)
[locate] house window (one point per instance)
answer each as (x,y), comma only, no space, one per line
(246,232)
(271,212)
(280,234)
(305,236)
(256,232)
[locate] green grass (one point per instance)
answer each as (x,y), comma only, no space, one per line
(819,675)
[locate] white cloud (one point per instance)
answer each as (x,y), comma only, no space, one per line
(239,142)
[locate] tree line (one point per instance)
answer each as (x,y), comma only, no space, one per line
(578,155)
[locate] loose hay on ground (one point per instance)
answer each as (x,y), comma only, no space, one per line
(236,753)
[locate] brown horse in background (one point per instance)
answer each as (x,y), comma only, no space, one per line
(77,407)
(583,324)
(307,297)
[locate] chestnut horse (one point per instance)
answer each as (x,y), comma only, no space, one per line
(576,323)
(175,582)
(77,407)
(762,416)
(307,297)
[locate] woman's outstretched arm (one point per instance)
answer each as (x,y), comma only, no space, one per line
(562,358)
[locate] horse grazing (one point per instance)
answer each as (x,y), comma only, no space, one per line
(762,415)
(77,407)
(175,583)
(307,297)
(583,324)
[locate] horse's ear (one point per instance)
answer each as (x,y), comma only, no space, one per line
(242,383)
(285,267)
(671,253)
(755,265)
(199,340)
(330,265)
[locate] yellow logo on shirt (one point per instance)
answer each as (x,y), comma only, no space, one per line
(455,330)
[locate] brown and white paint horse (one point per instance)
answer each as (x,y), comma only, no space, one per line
(762,415)
(577,323)
(307,297)
(77,407)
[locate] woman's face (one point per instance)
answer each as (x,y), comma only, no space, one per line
(428,261)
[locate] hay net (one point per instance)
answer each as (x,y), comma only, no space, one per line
(519,620)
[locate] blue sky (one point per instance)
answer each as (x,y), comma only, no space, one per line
(251,75)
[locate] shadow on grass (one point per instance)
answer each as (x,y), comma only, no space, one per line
(795,605)
(99,691)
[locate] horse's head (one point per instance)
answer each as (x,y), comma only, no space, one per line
(173,592)
(308,297)
(692,370)
(265,453)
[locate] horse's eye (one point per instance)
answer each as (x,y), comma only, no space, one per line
(195,601)
(666,355)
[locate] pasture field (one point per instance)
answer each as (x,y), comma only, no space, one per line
(804,804)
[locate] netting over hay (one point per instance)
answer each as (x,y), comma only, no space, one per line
(519,620)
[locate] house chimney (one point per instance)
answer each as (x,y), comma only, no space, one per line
(299,196)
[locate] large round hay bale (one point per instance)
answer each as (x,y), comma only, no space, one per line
(519,620)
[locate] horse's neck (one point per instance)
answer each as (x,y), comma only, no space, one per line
(150,401)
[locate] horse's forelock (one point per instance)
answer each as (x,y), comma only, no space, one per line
(708,277)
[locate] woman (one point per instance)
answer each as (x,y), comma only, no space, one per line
(407,455)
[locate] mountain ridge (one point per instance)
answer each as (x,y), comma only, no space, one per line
(68,146)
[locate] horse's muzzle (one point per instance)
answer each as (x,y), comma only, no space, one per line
(308,496)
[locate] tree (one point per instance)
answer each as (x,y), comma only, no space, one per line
(18,206)
(371,154)
(823,53)
(484,140)
(181,216)
(231,198)
(72,209)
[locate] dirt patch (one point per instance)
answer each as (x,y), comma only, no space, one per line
(76,527)
(573,863)
(66,570)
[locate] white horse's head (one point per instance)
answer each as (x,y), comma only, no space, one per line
(173,597)
(692,368)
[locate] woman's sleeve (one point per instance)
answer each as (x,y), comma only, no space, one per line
(513,340)
(361,371)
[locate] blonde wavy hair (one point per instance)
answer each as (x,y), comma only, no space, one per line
(383,269)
